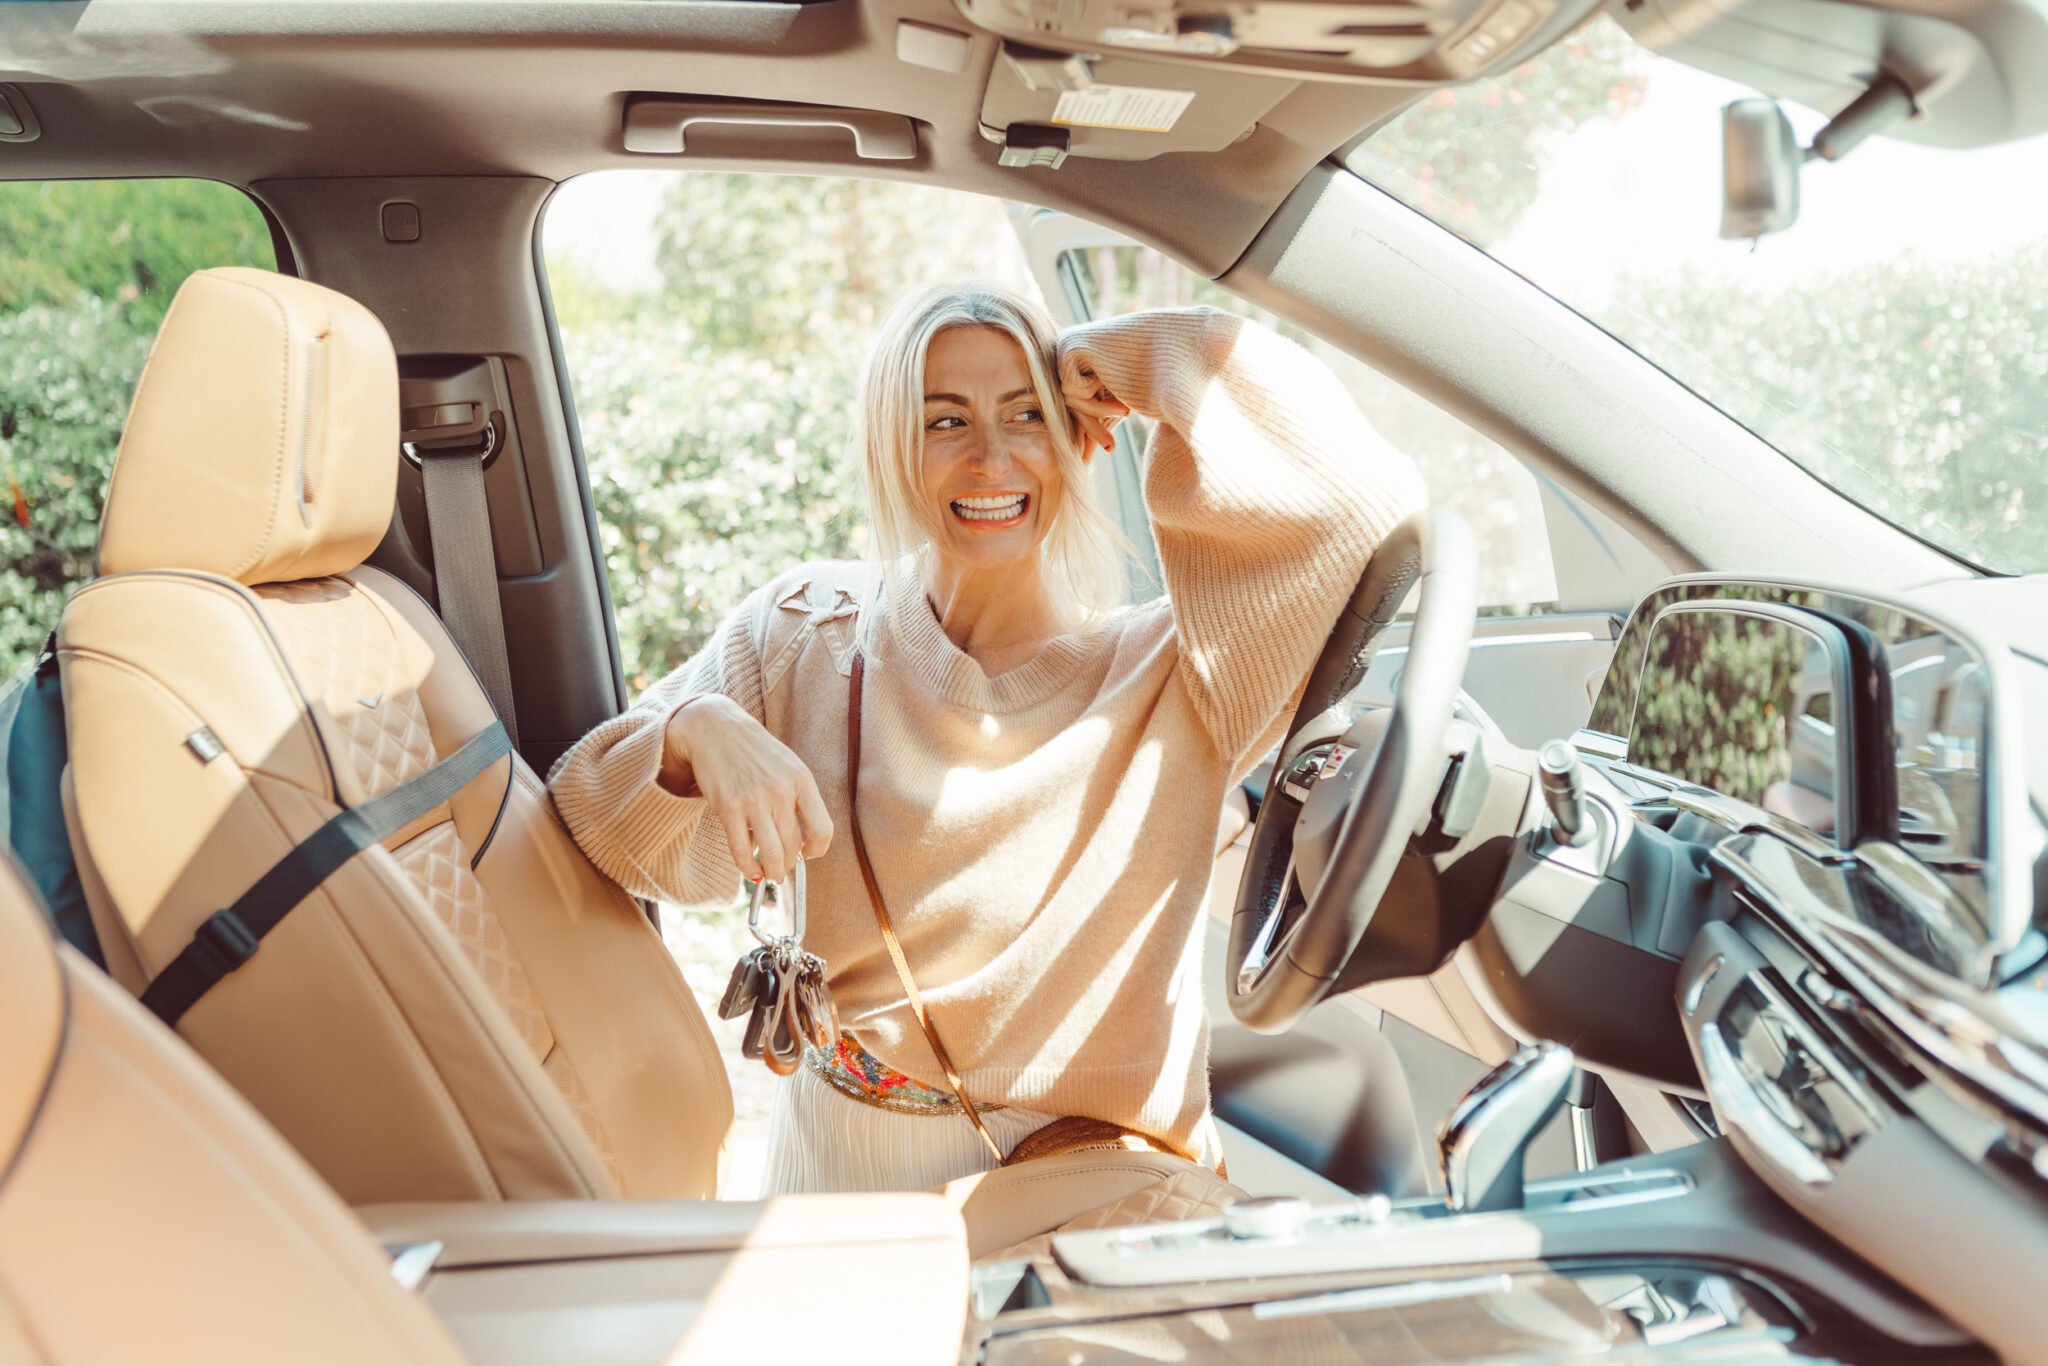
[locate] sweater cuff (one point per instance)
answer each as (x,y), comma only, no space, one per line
(653,820)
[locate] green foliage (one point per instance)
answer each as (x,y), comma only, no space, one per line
(1471,157)
(130,243)
(65,376)
(1714,707)
(1924,398)
(87,270)
(716,414)
(712,471)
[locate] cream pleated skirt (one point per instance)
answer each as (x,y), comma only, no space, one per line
(823,1141)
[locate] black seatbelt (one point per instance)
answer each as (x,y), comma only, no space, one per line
(231,937)
(466,568)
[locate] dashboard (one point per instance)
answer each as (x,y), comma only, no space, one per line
(1812,900)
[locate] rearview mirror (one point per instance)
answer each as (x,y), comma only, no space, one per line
(1760,159)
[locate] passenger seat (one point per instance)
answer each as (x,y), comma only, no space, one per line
(471,1012)
(145,1213)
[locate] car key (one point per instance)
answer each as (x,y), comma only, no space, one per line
(761,1021)
(743,988)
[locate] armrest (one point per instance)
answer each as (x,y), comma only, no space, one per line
(478,1234)
(613,1281)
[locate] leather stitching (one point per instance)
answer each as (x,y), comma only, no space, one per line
(386,1001)
(438,956)
(284,420)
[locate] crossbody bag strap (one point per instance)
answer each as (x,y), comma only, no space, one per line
(889,940)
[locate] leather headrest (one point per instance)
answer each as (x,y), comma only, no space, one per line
(263,443)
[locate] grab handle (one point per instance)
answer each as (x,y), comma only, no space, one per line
(662,126)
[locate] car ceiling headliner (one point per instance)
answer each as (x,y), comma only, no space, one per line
(248,93)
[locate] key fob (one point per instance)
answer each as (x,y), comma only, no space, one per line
(759,1022)
(743,988)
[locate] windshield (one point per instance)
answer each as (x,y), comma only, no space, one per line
(1894,341)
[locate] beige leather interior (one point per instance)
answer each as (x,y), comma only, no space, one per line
(211,1241)
(145,1213)
(830,1278)
(470,1012)
(420,1028)
(1007,1206)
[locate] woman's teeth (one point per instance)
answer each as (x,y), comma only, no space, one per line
(996,508)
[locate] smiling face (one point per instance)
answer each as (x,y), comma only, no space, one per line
(989,467)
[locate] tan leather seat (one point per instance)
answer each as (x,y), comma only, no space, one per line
(471,1012)
(145,1213)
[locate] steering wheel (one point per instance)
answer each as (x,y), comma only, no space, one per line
(1337,818)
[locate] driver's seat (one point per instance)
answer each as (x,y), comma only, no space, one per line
(471,1011)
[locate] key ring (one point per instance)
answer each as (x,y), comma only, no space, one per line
(795,907)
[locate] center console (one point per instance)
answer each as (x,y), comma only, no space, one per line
(1679,1257)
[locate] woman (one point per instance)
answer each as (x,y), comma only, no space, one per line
(1041,770)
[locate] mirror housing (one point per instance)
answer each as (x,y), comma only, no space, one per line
(1760,160)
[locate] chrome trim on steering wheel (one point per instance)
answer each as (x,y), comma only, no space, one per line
(1261,951)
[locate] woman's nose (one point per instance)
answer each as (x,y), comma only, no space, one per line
(992,454)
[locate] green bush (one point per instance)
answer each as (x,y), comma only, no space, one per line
(65,376)
(87,271)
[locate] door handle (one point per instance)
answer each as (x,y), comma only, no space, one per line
(662,127)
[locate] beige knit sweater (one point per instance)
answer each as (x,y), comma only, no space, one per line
(1044,838)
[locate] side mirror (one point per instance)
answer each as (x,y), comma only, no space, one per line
(1760,160)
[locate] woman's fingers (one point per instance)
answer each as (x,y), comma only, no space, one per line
(1093,434)
(738,842)
(1095,418)
(769,843)
(789,835)
(762,792)
(813,817)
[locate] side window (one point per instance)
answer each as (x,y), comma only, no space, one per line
(87,269)
(714,327)
(1464,470)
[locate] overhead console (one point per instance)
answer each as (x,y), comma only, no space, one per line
(1397,42)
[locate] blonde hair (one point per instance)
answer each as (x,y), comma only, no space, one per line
(1083,554)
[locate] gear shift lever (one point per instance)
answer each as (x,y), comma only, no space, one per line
(1482,1141)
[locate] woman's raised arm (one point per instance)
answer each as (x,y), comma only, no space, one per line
(1268,492)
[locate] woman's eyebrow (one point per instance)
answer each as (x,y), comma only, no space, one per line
(956,398)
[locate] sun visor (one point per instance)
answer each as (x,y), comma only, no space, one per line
(1117,108)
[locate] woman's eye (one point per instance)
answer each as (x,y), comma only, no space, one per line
(947,423)
(1030,415)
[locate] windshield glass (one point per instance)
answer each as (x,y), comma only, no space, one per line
(1894,341)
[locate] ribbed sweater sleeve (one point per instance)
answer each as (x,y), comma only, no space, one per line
(644,837)
(1268,492)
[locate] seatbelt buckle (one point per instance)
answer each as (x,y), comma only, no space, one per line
(227,941)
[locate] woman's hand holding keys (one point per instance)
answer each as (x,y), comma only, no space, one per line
(761,792)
